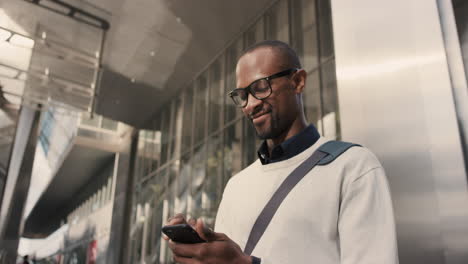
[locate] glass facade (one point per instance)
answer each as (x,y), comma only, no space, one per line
(201,138)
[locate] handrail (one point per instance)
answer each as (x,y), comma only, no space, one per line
(74,13)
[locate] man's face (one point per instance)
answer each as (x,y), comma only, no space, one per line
(274,115)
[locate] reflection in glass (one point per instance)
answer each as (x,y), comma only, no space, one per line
(255,34)
(232,151)
(276,22)
(176,133)
(304,33)
(183,180)
(326,30)
(312,100)
(330,118)
(249,145)
(165,121)
(94,121)
(109,124)
(216,100)
(231,111)
(198,177)
(211,193)
(187,123)
(200,108)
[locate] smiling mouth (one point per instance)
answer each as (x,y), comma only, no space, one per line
(258,115)
(253,116)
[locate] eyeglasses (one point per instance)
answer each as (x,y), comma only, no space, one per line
(260,88)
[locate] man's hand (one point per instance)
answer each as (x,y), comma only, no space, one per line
(218,249)
(179,219)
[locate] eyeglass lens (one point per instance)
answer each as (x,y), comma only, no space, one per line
(259,89)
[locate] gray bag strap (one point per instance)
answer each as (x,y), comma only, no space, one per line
(325,154)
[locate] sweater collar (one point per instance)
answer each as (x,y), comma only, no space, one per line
(289,148)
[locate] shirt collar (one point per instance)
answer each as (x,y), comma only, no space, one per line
(289,148)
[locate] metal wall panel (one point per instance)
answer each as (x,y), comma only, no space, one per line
(395,97)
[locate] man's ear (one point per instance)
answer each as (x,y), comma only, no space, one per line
(299,79)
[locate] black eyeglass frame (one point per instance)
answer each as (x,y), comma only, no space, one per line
(248,89)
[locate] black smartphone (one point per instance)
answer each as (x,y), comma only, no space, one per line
(182,233)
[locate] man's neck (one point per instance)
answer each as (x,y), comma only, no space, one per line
(297,126)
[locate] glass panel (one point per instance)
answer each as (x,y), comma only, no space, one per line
(109,124)
(198,178)
(187,124)
(304,34)
(152,195)
(255,34)
(165,121)
(249,151)
(157,211)
(211,194)
(156,142)
(177,132)
(139,170)
(147,151)
(232,151)
(311,99)
(330,118)
(216,97)
(231,111)
(326,30)
(183,191)
(276,22)
(94,121)
(163,176)
(200,107)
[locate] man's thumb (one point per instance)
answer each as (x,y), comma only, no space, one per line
(205,232)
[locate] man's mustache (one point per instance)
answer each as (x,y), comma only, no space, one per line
(256,112)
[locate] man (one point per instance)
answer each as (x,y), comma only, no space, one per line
(338,213)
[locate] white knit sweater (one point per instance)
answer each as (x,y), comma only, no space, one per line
(338,213)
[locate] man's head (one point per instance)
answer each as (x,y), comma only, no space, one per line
(274,115)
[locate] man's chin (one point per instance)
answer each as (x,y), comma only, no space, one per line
(264,133)
(267,132)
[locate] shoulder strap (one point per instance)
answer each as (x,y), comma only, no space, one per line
(322,156)
(334,149)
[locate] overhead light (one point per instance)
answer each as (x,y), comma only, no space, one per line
(22,41)
(8,72)
(4,34)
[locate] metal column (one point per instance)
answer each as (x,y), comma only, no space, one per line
(17,182)
(396,98)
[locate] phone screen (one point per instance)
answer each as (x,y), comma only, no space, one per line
(182,234)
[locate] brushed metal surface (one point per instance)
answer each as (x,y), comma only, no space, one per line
(395,97)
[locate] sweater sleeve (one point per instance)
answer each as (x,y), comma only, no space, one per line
(366,223)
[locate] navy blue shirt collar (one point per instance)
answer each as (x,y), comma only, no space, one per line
(289,148)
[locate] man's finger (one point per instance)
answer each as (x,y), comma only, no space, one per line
(176,220)
(184,250)
(192,222)
(205,232)
(184,260)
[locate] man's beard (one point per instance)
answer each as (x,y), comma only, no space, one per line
(273,131)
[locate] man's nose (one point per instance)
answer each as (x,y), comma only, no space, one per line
(252,103)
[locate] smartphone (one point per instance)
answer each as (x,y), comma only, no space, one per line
(182,233)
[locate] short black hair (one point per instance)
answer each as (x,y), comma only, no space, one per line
(290,55)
